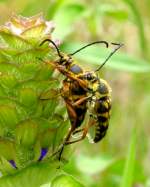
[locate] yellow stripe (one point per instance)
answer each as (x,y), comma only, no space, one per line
(106,114)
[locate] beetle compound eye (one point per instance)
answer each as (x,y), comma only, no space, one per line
(76,69)
(89,76)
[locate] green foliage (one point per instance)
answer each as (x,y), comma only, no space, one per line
(139,22)
(34,175)
(29,123)
(97,55)
(71,13)
(93,165)
(127,180)
(25,92)
(65,180)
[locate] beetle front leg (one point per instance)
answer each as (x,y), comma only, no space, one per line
(73,116)
(84,134)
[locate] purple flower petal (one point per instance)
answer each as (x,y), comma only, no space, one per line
(43,153)
(12,162)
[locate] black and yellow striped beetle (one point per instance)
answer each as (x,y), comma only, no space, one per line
(99,105)
(99,101)
(83,90)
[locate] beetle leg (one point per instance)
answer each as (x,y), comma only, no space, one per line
(78,102)
(78,130)
(85,131)
(73,127)
(60,151)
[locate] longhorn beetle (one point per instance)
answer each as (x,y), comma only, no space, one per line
(84,90)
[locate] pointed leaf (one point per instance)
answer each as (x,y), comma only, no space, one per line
(119,61)
(45,185)
(34,32)
(45,72)
(14,42)
(71,13)
(65,181)
(8,116)
(26,133)
(8,81)
(33,176)
(50,94)
(47,138)
(93,165)
(61,133)
(49,107)
(28,70)
(7,149)
(120,14)
(5,167)
(127,180)
(28,97)
(7,68)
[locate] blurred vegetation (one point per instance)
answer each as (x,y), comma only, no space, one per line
(122,158)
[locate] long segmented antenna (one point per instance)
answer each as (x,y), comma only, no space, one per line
(97,42)
(71,54)
(104,42)
(50,41)
(119,46)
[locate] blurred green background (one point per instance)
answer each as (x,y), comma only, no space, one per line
(122,158)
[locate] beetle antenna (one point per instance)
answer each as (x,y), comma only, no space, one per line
(93,43)
(50,41)
(109,56)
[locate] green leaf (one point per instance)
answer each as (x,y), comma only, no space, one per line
(64,24)
(54,8)
(93,165)
(7,149)
(2,57)
(113,12)
(47,137)
(8,116)
(50,94)
(14,42)
(45,72)
(26,133)
(148,182)
(35,32)
(61,133)
(33,176)
(65,181)
(8,81)
(127,180)
(28,97)
(45,185)
(139,23)
(119,61)
(5,166)
(49,107)
(28,70)
(9,69)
